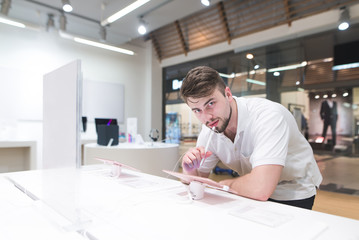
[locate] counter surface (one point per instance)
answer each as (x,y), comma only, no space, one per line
(149,157)
(89,202)
(17,155)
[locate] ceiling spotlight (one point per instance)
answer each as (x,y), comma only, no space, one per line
(249,56)
(317,97)
(334,95)
(325,96)
(206,2)
(297,82)
(276,74)
(344,19)
(142,27)
(66,6)
(256,66)
(346,94)
(5,6)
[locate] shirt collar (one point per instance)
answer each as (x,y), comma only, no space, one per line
(243,114)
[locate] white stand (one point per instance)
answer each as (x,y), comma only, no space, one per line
(116,171)
(197,190)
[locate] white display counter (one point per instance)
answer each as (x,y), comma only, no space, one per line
(150,158)
(88,203)
(17,155)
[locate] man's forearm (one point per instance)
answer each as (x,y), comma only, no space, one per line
(259,184)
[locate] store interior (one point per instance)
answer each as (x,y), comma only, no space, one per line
(305,81)
(290,52)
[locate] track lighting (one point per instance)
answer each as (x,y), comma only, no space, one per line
(12,23)
(95,43)
(255,82)
(103,46)
(344,19)
(142,27)
(63,22)
(103,33)
(227,75)
(66,6)
(124,12)
(289,67)
(50,21)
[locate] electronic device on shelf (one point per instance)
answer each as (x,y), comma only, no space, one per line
(208,182)
(117,166)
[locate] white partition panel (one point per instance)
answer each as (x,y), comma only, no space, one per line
(61,119)
(103,100)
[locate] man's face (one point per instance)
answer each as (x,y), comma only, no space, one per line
(214,110)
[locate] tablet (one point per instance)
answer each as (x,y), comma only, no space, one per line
(113,162)
(206,181)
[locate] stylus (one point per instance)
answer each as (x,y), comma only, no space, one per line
(110,142)
(206,148)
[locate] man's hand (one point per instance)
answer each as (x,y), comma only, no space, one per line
(192,159)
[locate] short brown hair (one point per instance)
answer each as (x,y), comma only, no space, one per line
(201,82)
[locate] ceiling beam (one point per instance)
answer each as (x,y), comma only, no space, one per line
(224,21)
(180,35)
(156,46)
(287,10)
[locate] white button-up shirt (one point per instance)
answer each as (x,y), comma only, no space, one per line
(267,133)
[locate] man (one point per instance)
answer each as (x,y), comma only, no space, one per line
(255,137)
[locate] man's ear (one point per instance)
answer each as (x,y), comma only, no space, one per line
(228,93)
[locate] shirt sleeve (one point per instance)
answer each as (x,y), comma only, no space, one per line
(271,137)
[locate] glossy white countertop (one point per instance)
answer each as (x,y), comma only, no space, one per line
(146,145)
(141,206)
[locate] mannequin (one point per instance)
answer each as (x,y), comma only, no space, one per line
(329,115)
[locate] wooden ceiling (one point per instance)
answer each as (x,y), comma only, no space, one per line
(231,19)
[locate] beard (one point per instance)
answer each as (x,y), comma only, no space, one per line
(225,122)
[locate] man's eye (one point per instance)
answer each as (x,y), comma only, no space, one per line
(196,111)
(210,103)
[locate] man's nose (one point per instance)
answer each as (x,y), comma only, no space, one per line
(208,116)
